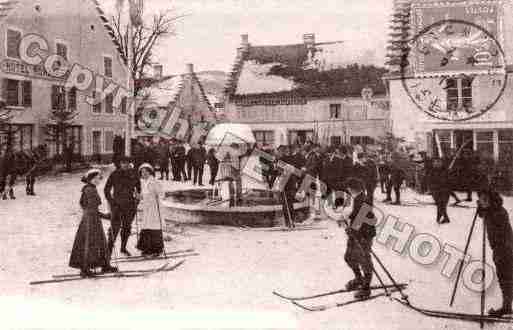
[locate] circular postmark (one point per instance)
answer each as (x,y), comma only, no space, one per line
(149,118)
(454,70)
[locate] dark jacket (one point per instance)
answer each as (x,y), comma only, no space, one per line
(163,154)
(179,153)
(367,172)
(313,164)
(498,229)
(120,188)
(366,230)
(438,180)
(292,184)
(198,156)
(332,172)
(212,161)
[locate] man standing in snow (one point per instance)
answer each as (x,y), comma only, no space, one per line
(122,190)
(500,237)
(359,243)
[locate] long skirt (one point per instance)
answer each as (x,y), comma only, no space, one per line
(90,246)
(150,241)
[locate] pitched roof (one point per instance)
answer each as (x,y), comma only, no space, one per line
(165,92)
(320,70)
(7,6)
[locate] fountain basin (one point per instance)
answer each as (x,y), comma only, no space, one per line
(257,209)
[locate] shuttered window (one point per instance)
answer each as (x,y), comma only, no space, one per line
(12,92)
(13,43)
(62,50)
(27,93)
(72,99)
(97,106)
(109,100)
(107,65)
(123,105)
(109,141)
(58,97)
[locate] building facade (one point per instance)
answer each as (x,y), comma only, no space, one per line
(175,107)
(308,91)
(79,32)
(451,76)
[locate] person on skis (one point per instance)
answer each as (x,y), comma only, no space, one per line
(500,238)
(359,243)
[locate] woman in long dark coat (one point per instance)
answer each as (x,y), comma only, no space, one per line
(90,246)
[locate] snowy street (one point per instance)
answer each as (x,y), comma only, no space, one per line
(235,273)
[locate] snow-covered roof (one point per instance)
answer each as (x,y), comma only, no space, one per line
(305,70)
(166,91)
(255,79)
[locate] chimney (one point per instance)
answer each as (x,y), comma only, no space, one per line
(244,45)
(189,68)
(157,71)
(309,39)
(244,40)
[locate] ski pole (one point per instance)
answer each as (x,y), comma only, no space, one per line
(483,283)
(291,221)
(464,254)
(394,282)
(372,253)
(161,227)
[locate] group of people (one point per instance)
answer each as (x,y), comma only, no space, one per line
(185,162)
(126,191)
(334,166)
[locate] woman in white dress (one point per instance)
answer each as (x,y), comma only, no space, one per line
(150,241)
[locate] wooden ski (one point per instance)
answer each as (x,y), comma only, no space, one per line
(374,287)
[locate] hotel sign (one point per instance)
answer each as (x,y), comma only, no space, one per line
(24,69)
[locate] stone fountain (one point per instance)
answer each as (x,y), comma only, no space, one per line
(236,199)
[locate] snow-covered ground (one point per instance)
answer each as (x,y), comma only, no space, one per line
(229,285)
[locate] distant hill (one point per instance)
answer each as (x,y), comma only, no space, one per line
(213,82)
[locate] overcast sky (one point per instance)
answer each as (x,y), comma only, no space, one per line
(209,35)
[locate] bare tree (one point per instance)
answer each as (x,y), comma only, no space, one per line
(145,37)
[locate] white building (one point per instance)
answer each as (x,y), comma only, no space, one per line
(306,91)
(441,99)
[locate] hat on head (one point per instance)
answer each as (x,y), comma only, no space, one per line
(148,167)
(124,159)
(90,175)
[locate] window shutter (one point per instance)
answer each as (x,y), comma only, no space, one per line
(97,107)
(107,64)
(12,92)
(72,99)
(13,42)
(27,93)
(123,105)
(109,100)
(54,97)
(62,50)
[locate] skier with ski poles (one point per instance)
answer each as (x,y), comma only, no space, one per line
(359,243)
(500,238)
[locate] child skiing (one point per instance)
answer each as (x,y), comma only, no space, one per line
(359,244)
(500,237)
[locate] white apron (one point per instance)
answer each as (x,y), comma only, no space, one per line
(151,192)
